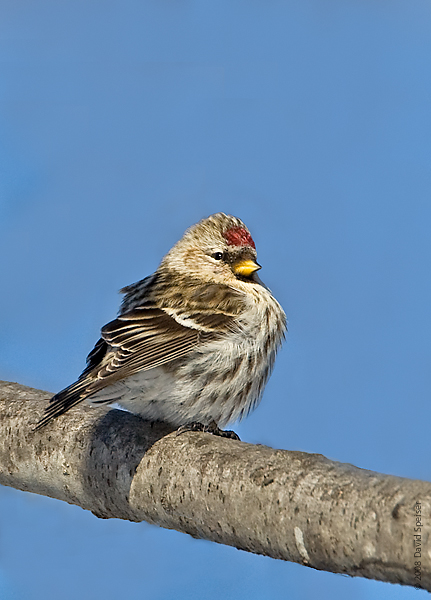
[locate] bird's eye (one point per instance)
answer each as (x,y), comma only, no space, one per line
(217,255)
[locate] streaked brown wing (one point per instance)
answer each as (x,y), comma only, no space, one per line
(138,340)
(148,337)
(95,357)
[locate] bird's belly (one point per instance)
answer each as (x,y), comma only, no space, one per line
(147,393)
(221,382)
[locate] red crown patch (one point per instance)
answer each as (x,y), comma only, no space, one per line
(238,236)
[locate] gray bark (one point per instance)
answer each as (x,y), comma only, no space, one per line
(287,505)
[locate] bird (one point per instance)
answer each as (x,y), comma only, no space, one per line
(194,343)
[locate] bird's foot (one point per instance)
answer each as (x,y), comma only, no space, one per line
(215,430)
(211,428)
(194,426)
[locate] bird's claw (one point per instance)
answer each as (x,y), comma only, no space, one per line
(211,428)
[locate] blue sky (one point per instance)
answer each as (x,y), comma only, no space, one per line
(121,124)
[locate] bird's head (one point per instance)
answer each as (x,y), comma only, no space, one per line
(217,249)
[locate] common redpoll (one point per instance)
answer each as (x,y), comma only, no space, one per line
(193,343)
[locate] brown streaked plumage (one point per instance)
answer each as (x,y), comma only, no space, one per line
(194,342)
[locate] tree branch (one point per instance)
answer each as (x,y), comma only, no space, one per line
(289,505)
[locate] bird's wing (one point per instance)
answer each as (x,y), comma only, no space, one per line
(141,339)
(149,337)
(158,331)
(95,357)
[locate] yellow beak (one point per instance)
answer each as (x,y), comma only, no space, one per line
(245,267)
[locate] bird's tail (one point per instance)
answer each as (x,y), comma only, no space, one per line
(63,401)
